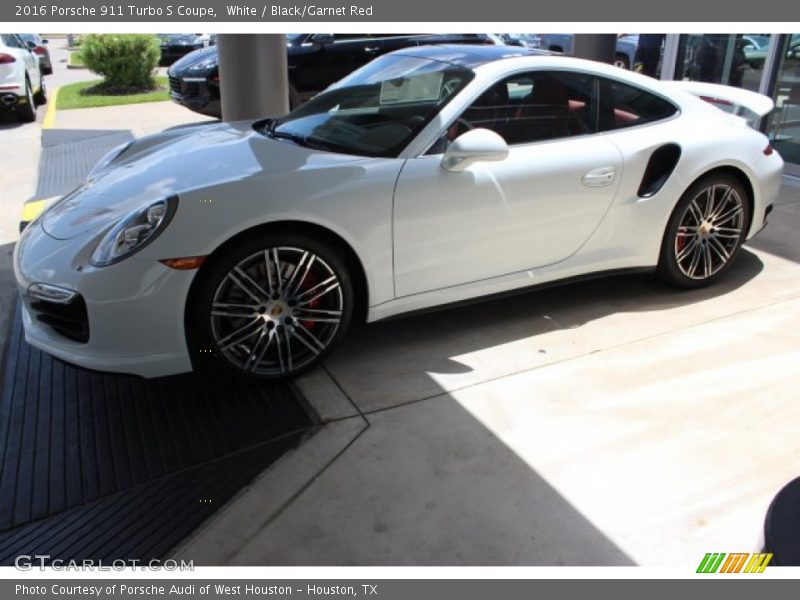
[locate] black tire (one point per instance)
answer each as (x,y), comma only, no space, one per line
(700,235)
(277,324)
(40,97)
(622,61)
(27,111)
(294,98)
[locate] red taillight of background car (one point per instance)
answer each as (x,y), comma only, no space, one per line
(40,50)
(7,58)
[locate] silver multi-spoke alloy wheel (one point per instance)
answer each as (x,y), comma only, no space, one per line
(276,311)
(705,231)
(710,231)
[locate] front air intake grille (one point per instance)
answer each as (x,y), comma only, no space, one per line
(70,320)
(175,84)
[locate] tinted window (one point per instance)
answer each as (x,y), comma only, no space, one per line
(12,41)
(623,105)
(532,107)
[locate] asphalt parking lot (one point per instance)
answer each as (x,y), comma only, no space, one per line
(611,422)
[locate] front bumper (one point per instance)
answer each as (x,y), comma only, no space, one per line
(196,94)
(134,310)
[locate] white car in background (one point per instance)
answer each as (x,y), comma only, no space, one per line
(429,176)
(22,86)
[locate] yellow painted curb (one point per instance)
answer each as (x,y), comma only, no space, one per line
(50,115)
(33,208)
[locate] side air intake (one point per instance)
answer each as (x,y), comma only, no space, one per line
(660,166)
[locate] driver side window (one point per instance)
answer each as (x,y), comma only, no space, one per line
(532,107)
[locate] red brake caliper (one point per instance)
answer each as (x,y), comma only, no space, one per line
(680,243)
(309,282)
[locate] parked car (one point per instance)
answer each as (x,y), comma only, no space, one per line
(39,47)
(22,86)
(793,51)
(625,53)
(315,61)
(430,176)
(178,45)
(528,40)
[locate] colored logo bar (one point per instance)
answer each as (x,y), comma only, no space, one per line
(735,562)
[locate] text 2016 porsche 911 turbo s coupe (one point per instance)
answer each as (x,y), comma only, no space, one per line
(429,176)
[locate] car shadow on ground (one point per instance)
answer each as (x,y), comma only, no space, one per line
(10,120)
(391,362)
(430,483)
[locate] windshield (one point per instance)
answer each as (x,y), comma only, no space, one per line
(376,110)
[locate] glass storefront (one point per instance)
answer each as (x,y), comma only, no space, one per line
(766,63)
(730,59)
(783,125)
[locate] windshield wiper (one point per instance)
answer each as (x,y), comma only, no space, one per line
(284,135)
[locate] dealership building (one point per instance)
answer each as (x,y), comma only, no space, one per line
(765,63)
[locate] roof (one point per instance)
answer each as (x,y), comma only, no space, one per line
(469,56)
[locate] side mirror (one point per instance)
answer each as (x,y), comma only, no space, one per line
(474,146)
(322,39)
(45,41)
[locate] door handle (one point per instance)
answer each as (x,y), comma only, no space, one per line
(599,177)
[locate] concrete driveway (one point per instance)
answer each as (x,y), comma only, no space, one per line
(605,423)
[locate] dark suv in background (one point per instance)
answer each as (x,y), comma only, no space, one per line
(315,61)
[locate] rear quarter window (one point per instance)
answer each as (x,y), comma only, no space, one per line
(623,105)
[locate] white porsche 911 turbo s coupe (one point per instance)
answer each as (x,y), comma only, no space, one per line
(429,176)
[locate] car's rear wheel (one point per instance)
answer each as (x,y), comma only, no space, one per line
(27,111)
(271,307)
(705,232)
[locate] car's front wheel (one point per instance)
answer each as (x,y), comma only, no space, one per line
(271,307)
(705,232)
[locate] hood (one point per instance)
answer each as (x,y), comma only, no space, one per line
(178,38)
(195,57)
(176,162)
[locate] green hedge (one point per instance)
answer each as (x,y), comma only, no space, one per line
(123,60)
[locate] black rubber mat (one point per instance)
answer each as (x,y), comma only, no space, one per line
(69,154)
(114,466)
(97,465)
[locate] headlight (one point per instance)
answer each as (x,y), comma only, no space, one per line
(204,65)
(137,229)
(109,157)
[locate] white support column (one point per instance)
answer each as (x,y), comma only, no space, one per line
(670,57)
(253,76)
